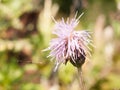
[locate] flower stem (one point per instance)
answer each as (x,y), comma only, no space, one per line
(81,79)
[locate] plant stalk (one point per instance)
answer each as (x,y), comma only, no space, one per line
(81,79)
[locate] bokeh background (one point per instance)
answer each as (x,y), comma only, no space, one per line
(26,29)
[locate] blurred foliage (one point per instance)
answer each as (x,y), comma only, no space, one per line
(25,30)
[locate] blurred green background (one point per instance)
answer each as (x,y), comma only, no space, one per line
(26,29)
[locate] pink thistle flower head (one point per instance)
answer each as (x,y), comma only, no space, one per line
(70,45)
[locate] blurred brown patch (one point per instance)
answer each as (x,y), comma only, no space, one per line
(29,21)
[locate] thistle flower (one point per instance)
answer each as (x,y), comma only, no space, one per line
(70,45)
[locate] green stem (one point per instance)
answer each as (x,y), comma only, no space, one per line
(81,79)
